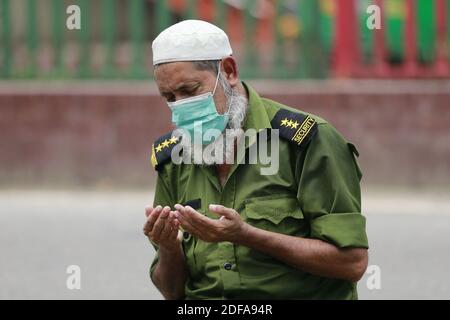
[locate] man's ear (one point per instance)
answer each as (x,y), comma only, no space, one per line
(230,69)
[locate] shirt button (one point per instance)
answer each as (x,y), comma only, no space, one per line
(227,266)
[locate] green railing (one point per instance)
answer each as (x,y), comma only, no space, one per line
(115,37)
(287,39)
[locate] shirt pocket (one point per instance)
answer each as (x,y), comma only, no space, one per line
(281,214)
(276,213)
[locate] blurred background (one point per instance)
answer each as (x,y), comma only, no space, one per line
(79,111)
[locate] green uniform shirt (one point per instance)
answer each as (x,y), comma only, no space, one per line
(315,194)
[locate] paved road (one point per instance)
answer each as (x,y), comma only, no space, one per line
(42,233)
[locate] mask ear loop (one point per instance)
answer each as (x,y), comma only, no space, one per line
(217,79)
(217,82)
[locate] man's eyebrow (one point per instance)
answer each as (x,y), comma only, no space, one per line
(181,88)
(187,86)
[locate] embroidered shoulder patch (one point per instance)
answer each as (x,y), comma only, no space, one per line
(162,149)
(296,127)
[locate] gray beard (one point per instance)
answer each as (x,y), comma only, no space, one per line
(225,143)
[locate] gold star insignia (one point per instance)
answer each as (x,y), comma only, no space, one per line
(290,124)
(173,140)
(295,125)
(284,122)
(159,148)
(165,144)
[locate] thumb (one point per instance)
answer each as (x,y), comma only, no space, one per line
(222,211)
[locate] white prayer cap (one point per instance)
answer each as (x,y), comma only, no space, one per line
(191,40)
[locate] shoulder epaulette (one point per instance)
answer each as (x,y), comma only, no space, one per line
(162,149)
(296,127)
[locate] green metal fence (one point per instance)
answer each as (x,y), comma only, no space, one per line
(294,40)
(115,37)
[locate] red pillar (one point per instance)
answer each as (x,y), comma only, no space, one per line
(346,50)
(381,67)
(411,66)
(205,9)
(235,26)
(178,6)
(441,65)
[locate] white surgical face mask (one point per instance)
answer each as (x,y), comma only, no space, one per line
(198,114)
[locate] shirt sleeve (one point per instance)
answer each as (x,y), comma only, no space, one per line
(162,198)
(328,190)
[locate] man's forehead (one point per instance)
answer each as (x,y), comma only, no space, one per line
(176,66)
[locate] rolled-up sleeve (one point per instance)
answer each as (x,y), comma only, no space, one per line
(329,191)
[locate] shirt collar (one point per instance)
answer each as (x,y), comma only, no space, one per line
(256,117)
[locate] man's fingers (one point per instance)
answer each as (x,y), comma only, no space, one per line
(175,224)
(192,215)
(148,210)
(168,228)
(165,213)
(160,223)
(197,224)
(151,219)
(188,216)
(179,207)
(198,220)
(222,211)
(185,222)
